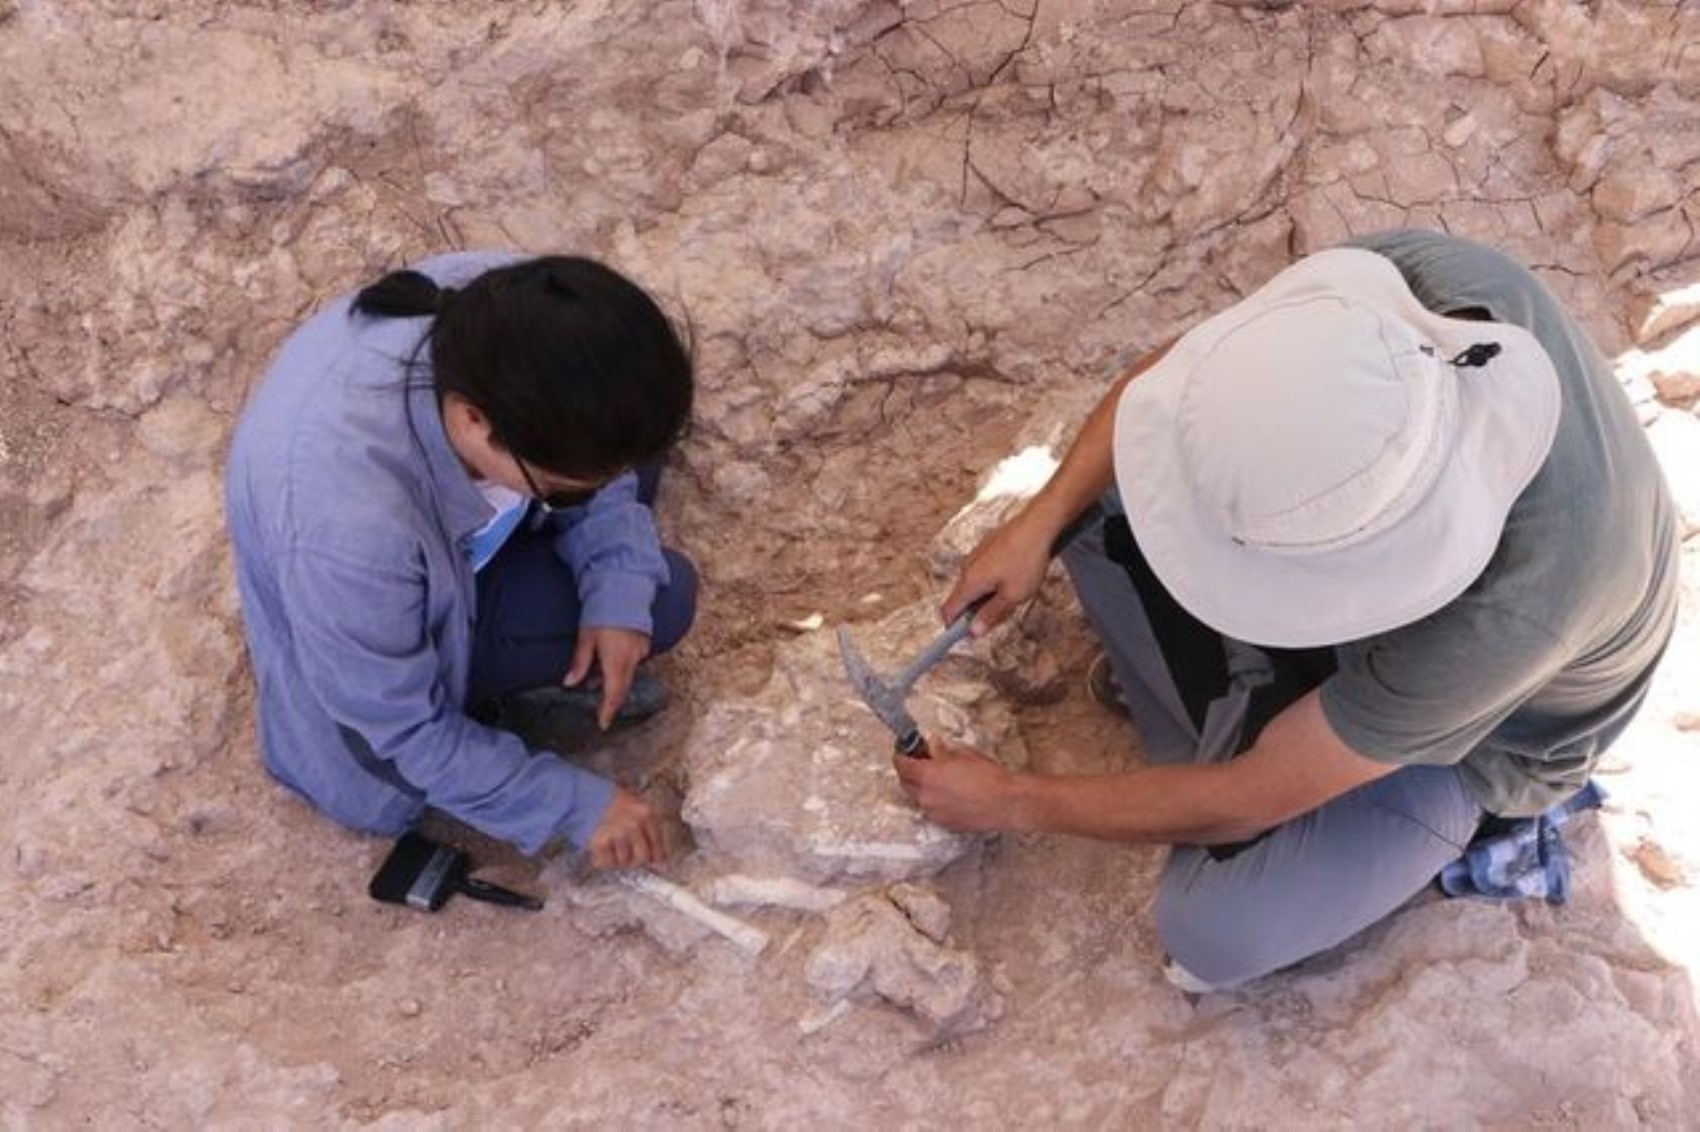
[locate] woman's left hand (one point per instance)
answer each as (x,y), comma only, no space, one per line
(616,653)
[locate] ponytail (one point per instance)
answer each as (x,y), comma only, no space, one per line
(402,294)
(577,368)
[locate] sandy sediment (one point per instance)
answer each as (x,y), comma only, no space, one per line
(908,241)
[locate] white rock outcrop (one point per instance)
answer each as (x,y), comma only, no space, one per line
(891,944)
(896,233)
(797,780)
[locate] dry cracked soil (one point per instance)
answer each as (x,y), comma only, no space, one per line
(905,238)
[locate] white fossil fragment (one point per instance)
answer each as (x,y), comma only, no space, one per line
(747,938)
(777,892)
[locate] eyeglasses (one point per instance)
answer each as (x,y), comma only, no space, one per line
(556,500)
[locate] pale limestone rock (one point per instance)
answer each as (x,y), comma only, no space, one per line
(1582,140)
(1319,217)
(44,200)
(768,43)
(1445,47)
(1629,155)
(183,431)
(798,779)
(1027,202)
(1671,371)
(1677,387)
(1657,240)
(1669,303)
(1509,57)
(888,944)
(924,907)
(1627,194)
(1658,866)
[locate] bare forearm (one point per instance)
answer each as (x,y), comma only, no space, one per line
(1297,764)
(1088,469)
(1190,805)
(1008,567)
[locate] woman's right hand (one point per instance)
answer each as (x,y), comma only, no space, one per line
(628,835)
(1007,568)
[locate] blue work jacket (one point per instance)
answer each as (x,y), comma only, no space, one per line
(350,515)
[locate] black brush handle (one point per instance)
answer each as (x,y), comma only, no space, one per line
(496,894)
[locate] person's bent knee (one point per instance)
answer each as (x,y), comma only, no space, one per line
(1215,938)
(675,606)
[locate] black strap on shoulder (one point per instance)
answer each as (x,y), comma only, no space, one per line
(1192,650)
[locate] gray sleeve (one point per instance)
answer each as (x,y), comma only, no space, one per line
(1430,692)
(1448,274)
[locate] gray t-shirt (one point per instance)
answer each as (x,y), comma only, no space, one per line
(1524,677)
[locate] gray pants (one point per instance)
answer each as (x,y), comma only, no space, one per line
(1309,884)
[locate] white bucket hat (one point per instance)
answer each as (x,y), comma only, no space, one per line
(1328,459)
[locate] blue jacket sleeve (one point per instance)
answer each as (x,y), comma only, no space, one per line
(365,648)
(614,552)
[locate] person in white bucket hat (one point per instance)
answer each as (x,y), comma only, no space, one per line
(1378,554)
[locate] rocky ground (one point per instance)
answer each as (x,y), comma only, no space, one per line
(908,241)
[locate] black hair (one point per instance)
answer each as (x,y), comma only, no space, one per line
(577,369)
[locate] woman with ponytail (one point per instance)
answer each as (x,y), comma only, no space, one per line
(439,499)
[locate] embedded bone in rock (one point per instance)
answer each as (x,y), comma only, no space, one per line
(607,909)
(751,940)
(742,889)
(798,781)
(888,944)
(616,903)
